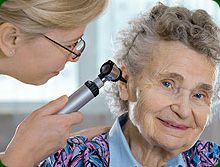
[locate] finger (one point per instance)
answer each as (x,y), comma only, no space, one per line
(91,132)
(54,106)
(72,118)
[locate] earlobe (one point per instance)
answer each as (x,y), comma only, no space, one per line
(122,87)
(8,39)
(123,91)
(11,53)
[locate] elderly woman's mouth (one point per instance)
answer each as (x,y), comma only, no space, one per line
(173,125)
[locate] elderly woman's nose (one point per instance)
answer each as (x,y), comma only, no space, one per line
(182,106)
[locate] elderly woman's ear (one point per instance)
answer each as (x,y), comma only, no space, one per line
(127,90)
(122,87)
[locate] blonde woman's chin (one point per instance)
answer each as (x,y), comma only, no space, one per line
(39,80)
(42,80)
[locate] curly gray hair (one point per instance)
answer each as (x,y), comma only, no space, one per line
(193,28)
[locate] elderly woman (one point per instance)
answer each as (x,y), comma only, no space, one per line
(169,58)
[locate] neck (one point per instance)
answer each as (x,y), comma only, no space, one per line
(7,65)
(2,64)
(144,152)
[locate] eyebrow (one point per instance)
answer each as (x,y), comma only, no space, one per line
(206,87)
(175,76)
(76,39)
(180,78)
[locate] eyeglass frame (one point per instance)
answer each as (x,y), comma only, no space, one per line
(75,44)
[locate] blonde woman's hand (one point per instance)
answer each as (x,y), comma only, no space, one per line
(41,134)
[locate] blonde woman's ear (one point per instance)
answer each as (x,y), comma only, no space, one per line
(11,53)
(8,39)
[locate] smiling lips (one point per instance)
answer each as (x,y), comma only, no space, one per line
(173,125)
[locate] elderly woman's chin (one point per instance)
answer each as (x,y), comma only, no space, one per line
(171,142)
(162,135)
(174,145)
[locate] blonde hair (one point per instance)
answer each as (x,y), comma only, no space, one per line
(38,16)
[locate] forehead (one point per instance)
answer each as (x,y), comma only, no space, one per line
(175,57)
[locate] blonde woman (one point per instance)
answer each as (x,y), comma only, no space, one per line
(37,38)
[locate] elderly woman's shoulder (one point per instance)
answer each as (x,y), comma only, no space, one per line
(80,151)
(203,153)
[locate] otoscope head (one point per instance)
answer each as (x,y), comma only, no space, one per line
(111,72)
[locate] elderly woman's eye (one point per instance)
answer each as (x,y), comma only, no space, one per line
(167,84)
(199,96)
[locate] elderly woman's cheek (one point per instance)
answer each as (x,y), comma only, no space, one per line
(142,115)
(201,118)
(134,113)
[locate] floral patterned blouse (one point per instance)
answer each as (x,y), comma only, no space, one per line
(81,152)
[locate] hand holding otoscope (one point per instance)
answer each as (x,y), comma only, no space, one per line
(32,129)
(108,72)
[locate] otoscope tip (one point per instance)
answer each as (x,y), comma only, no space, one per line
(123,80)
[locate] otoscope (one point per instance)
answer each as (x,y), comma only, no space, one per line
(108,72)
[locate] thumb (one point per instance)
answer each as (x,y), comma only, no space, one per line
(54,106)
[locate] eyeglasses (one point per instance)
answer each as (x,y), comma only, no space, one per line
(79,47)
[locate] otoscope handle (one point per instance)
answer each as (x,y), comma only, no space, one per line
(108,72)
(83,95)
